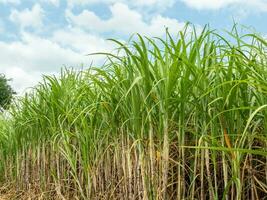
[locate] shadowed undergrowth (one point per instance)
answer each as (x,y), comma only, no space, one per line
(175,118)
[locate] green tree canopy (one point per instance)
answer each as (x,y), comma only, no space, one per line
(6,92)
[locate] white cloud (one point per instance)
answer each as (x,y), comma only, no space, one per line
(10,1)
(158,3)
(162,4)
(124,20)
(72,3)
(260,5)
(27,59)
(81,41)
(209,4)
(34,53)
(27,17)
(54,2)
(21,79)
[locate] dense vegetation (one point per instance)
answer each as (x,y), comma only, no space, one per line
(6,92)
(173,118)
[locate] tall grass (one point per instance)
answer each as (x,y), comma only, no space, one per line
(172,118)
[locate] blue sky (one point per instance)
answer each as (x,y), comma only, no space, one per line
(39,37)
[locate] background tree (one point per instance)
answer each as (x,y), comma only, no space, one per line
(6,92)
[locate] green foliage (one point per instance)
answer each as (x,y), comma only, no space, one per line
(6,92)
(173,118)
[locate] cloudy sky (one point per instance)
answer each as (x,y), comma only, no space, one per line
(41,36)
